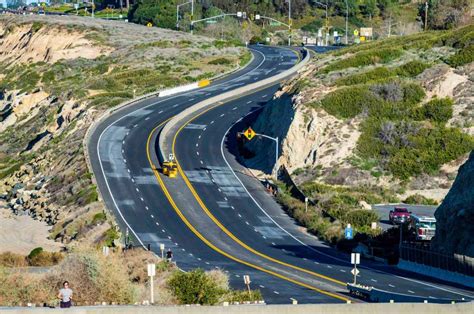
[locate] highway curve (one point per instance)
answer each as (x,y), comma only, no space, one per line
(208,217)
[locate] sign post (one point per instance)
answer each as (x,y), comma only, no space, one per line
(306,200)
(355,260)
(151,274)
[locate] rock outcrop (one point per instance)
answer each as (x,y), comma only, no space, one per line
(455,216)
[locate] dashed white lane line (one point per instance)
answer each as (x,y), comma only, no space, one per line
(247,223)
(190,99)
(207,263)
(147,118)
(176,243)
(238,276)
(342,270)
(156,223)
(232,207)
(199,259)
(249,102)
(125,160)
(161,111)
(123,142)
(163,230)
(146,207)
(197,144)
(276,292)
(264,96)
(197,153)
(262,286)
(137,189)
(212,122)
(225,198)
(273,243)
(305,259)
(199,137)
(201,162)
(204,129)
(316,263)
(329,266)
(152,216)
(208,94)
(391,285)
(169,237)
(235,108)
(373,280)
(222,115)
(141,199)
(123,152)
(174,106)
(264,237)
(128,170)
(240,216)
(412,292)
(133,180)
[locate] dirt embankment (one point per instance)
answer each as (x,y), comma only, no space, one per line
(57,76)
(319,146)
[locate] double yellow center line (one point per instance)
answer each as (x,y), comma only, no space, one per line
(224,229)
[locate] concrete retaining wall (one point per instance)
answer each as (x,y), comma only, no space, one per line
(366,308)
(437,273)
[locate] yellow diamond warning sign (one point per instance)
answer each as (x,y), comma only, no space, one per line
(249,133)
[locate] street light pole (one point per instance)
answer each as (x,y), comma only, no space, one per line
(275,139)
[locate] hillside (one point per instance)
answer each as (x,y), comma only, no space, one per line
(57,76)
(375,123)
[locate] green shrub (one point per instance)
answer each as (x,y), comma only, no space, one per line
(462,57)
(379,73)
(195,287)
(220,61)
(98,218)
(418,199)
(412,68)
(365,58)
(348,102)
(35,252)
(360,218)
(436,110)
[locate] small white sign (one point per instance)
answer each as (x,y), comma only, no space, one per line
(171,157)
(239,14)
(105,250)
(257,17)
(373,225)
(162,247)
(355,258)
(335,34)
(355,271)
(76,6)
(306,200)
(151,270)
(247,279)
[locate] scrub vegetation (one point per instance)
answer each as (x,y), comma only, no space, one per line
(119,278)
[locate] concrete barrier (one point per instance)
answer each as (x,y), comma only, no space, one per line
(365,308)
(438,273)
(166,135)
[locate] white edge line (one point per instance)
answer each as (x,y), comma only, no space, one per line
(301,242)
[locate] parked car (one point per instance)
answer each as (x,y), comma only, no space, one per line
(423,228)
(399,215)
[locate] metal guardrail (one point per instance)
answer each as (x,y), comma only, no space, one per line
(425,256)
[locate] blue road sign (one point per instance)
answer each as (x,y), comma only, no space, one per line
(348,233)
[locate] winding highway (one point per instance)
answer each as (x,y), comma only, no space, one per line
(215,214)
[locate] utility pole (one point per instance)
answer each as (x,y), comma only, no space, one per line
(289,22)
(347,21)
(426,16)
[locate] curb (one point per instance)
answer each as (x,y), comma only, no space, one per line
(165,151)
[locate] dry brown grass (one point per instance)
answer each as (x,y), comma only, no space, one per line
(9,259)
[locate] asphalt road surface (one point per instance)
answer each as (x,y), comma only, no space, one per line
(218,216)
(420,210)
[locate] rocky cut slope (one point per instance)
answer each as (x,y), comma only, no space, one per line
(57,76)
(454,228)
